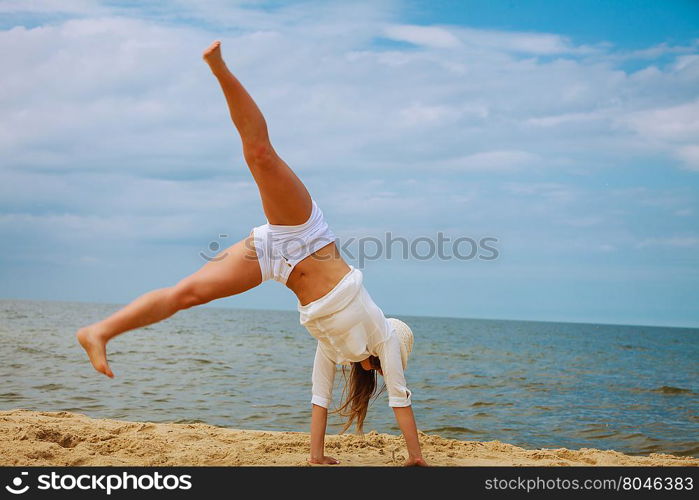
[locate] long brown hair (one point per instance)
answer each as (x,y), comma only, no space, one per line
(358,392)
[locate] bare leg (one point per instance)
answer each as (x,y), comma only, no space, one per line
(285,199)
(235,273)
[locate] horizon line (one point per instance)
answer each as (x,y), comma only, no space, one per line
(209,306)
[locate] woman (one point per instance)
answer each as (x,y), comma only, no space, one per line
(296,248)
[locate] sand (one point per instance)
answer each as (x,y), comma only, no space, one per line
(64,438)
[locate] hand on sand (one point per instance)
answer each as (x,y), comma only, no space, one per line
(324,461)
(96,348)
(415,462)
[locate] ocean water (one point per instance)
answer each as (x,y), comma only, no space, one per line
(533,384)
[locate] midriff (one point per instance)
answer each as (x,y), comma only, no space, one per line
(317,274)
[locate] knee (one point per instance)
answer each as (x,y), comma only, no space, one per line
(260,155)
(186,295)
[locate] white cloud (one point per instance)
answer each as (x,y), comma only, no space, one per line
(523,42)
(684,212)
(76,7)
(547,190)
(689,155)
(659,50)
(118,102)
(428,36)
(673,124)
(440,37)
(118,92)
(670,242)
(420,114)
(674,129)
(555,120)
(690,61)
(585,221)
(494,161)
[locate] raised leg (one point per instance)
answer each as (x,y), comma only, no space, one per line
(235,270)
(285,199)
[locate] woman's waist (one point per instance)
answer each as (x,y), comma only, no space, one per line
(317,275)
(340,296)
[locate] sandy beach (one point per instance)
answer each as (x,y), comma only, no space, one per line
(64,438)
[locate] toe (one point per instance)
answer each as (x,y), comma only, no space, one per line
(104,369)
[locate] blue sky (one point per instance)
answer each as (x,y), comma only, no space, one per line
(569,131)
(645,22)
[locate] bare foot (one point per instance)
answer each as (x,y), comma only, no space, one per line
(212,55)
(324,461)
(96,348)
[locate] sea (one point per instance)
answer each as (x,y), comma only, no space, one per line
(532,384)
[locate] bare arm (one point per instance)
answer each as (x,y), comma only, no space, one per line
(406,422)
(399,397)
(319,419)
(323,376)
